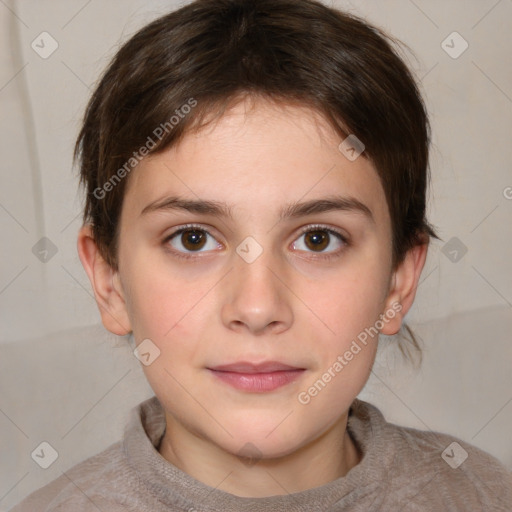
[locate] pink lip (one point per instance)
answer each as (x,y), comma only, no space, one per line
(245,367)
(257,377)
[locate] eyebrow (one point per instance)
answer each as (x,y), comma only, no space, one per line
(327,204)
(215,208)
(293,210)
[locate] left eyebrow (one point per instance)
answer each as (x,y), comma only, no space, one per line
(327,204)
(293,210)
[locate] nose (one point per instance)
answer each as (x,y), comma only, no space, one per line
(255,298)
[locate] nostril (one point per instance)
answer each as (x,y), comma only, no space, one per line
(237,323)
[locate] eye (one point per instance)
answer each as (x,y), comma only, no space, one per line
(320,239)
(192,239)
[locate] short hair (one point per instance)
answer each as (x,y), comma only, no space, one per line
(196,61)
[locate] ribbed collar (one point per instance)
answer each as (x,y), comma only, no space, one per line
(177,489)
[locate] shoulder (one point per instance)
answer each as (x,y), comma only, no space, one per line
(111,479)
(435,469)
(83,488)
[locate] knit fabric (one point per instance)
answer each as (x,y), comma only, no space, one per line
(402,470)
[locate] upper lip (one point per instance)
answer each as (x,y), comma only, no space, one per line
(246,367)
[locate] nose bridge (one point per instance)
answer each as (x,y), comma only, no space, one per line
(255,298)
(257,275)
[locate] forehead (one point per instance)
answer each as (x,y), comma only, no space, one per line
(257,157)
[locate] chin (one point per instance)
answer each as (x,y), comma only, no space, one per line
(269,441)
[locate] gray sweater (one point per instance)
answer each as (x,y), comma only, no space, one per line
(402,470)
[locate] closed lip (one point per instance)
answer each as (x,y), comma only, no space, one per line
(246,367)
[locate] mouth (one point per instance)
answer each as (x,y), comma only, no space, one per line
(257,378)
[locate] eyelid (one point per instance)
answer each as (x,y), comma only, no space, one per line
(323,255)
(185,227)
(323,227)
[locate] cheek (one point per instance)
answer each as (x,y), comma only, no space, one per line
(345,354)
(174,313)
(347,304)
(160,299)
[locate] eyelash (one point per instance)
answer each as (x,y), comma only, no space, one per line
(179,254)
(314,227)
(327,256)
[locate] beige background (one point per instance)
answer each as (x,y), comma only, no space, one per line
(65,381)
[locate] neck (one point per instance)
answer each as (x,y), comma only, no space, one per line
(326,458)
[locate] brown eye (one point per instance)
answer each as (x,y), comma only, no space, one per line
(193,239)
(320,240)
(317,240)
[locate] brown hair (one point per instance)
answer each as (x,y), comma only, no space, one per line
(209,52)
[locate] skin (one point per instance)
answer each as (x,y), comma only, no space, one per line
(293,304)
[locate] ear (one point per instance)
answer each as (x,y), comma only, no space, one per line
(106,284)
(404,284)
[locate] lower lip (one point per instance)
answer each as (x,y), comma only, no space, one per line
(258,382)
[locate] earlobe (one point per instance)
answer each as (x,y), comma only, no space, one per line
(403,288)
(109,297)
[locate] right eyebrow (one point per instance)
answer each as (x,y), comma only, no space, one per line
(216,208)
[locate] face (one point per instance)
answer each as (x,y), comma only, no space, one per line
(253,255)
